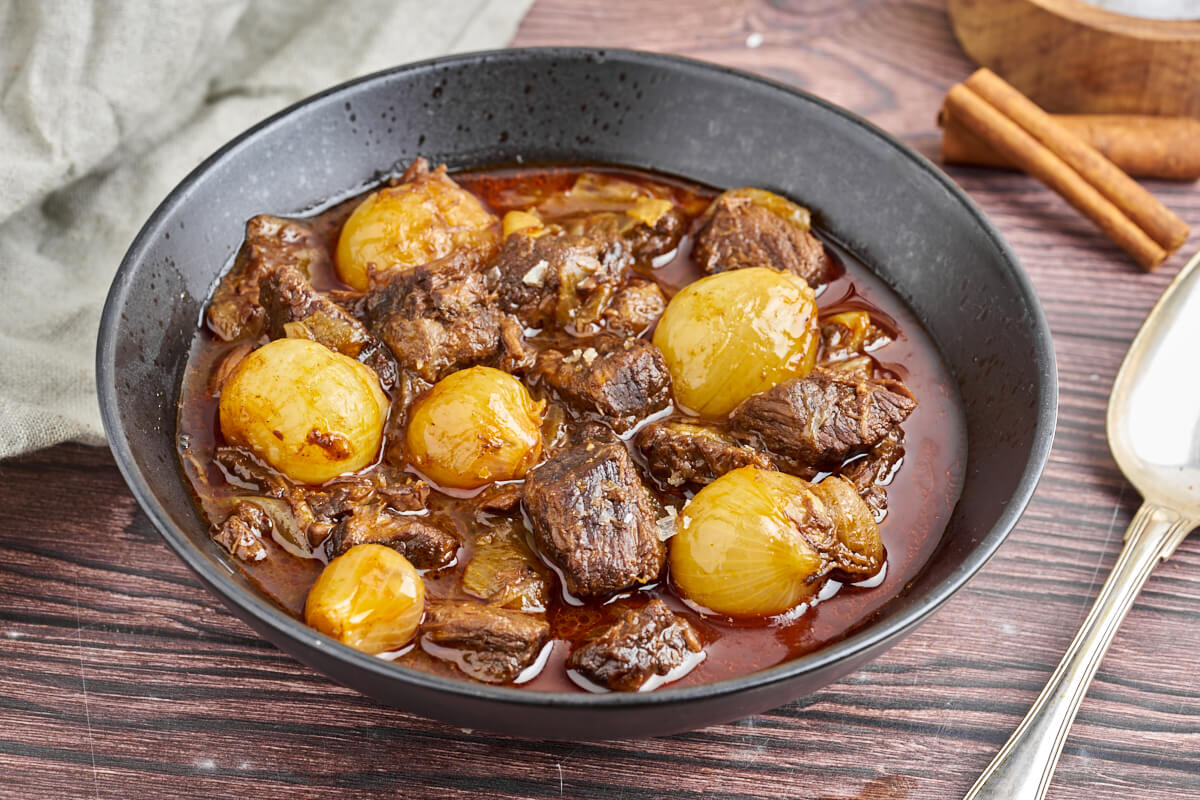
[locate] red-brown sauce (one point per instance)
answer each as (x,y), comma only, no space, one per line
(920,498)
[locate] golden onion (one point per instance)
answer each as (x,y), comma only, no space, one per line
(404,226)
(858,550)
(370,598)
(739,549)
(737,333)
(505,572)
(309,412)
(522,221)
(649,210)
(475,426)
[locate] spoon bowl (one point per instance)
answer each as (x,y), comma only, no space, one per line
(1154,434)
(1154,411)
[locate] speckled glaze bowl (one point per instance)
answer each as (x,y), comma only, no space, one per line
(889,206)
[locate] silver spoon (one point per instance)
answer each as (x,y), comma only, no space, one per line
(1154,434)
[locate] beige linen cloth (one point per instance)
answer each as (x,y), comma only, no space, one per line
(106,105)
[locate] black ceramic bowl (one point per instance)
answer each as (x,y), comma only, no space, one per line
(886,204)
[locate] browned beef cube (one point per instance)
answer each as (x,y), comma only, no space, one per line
(280,508)
(270,243)
(242,532)
(679,453)
(289,299)
(314,513)
(243,469)
(436,319)
(398,491)
(559,279)
(651,241)
(871,474)
(644,642)
(818,421)
(409,387)
(488,643)
(635,308)
(559,432)
(625,380)
(594,518)
(741,233)
(499,497)
(352,301)
(425,545)
(516,356)
(620,231)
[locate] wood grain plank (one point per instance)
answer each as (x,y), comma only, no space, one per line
(183,701)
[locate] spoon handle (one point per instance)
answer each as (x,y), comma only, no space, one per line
(1023,767)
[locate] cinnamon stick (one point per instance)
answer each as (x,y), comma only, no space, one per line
(1143,208)
(1013,142)
(1143,146)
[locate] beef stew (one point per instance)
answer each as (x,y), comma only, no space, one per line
(533,458)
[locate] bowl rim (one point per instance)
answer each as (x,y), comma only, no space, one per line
(870,637)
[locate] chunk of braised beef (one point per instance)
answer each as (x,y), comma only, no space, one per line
(398,491)
(270,243)
(742,233)
(488,643)
(243,468)
(353,302)
(424,544)
(651,241)
(404,494)
(594,518)
(499,497)
(624,380)
(635,308)
(294,308)
(640,239)
(315,511)
(516,356)
(679,453)
(557,278)
(243,531)
(409,387)
(871,473)
(643,643)
(560,433)
(591,432)
(436,319)
(817,422)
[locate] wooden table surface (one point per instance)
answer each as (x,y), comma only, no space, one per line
(121,677)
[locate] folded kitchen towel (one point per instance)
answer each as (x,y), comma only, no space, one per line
(105,105)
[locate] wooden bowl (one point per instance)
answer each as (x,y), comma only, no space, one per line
(1075,58)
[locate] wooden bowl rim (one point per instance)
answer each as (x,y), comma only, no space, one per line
(1090,16)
